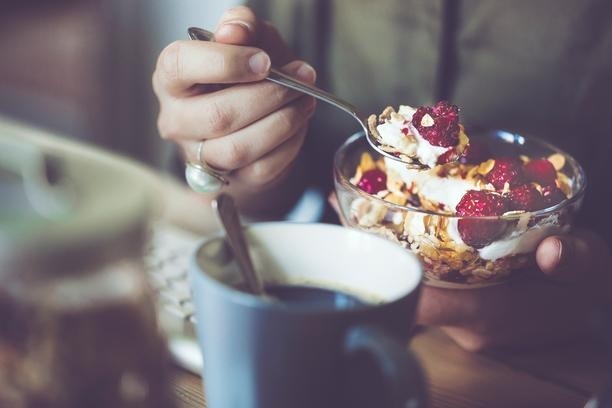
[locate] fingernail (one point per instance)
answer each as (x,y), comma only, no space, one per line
(548,254)
(226,28)
(259,63)
(306,73)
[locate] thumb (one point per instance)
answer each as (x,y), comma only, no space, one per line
(238,26)
(572,257)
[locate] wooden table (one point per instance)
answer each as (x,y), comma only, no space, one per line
(563,376)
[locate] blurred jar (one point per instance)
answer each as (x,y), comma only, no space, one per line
(77,322)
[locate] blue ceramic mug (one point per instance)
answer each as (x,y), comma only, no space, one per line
(341,345)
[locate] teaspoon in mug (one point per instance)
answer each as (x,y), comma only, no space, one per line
(228,214)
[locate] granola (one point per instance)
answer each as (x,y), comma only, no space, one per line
(432,228)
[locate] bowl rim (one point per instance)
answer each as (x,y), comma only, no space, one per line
(578,195)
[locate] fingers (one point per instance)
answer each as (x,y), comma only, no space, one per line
(241,148)
(220,113)
(442,307)
(572,257)
(183,64)
(273,165)
(522,311)
(548,254)
(238,25)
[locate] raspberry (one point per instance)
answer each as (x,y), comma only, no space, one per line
(525,197)
(479,233)
(505,170)
(448,156)
(441,125)
(475,153)
(540,171)
(373,181)
(552,195)
(484,203)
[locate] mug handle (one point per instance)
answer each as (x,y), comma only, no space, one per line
(400,380)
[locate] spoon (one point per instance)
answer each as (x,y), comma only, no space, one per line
(226,210)
(282,79)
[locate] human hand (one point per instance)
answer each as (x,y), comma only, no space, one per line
(553,303)
(213,92)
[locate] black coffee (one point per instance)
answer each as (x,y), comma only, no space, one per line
(312,296)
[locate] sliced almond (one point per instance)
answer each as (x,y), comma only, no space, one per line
(430,252)
(511,214)
(410,139)
(394,183)
(357,176)
(397,117)
(463,138)
(366,163)
(427,120)
(395,199)
(471,174)
(386,114)
(523,222)
(524,158)
(485,167)
(565,184)
(372,124)
(380,163)
(428,205)
(557,160)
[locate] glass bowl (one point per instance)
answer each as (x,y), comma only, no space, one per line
(436,236)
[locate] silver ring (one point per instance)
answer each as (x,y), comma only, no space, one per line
(199,155)
(201,177)
(203,180)
(203,162)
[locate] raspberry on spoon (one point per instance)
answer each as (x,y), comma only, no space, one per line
(438,124)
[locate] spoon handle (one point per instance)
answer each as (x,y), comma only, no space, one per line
(282,79)
(226,209)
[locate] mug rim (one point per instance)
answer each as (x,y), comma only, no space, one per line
(252,301)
